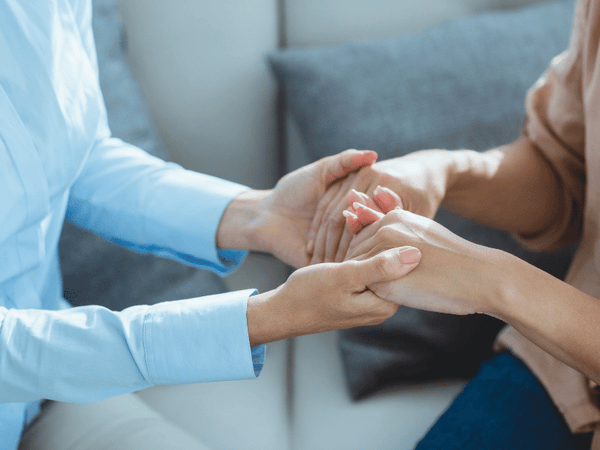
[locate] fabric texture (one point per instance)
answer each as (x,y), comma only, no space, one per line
(57,159)
(459,85)
(504,407)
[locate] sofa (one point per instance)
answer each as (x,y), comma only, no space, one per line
(250,90)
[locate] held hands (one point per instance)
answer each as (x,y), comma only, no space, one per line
(328,296)
(278,220)
(294,201)
(419,179)
(454,275)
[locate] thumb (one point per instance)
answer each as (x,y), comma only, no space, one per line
(386,199)
(388,265)
(338,166)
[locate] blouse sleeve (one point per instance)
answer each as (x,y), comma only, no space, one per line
(554,123)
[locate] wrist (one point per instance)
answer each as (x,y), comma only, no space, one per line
(240,221)
(505,274)
(268,319)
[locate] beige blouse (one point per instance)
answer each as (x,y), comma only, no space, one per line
(563,121)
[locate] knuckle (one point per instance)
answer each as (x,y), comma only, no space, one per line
(397,214)
(385,234)
(383,264)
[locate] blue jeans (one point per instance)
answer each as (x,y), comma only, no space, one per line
(503,407)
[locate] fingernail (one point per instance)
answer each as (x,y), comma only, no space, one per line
(377,190)
(347,213)
(357,205)
(410,256)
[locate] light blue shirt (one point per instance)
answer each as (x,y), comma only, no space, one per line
(57,160)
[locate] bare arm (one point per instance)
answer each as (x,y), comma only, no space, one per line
(511,188)
(559,318)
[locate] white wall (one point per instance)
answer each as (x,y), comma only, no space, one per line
(201,66)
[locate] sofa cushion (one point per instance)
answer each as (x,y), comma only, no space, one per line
(459,85)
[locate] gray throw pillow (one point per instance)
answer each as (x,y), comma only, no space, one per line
(459,85)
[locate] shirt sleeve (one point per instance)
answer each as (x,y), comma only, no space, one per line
(86,354)
(151,206)
(554,123)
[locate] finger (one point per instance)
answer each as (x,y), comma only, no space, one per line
(386,199)
(344,244)
(352,222)
(360,197)
(359,216)
(355,225)
(317,221)
(362,241)
(365,215)
(336,222)
(338,166)
(323,230)
(388,265)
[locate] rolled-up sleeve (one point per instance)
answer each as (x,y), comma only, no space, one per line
(90,353)
(555,125)
(151,206)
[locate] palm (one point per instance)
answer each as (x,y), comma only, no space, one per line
(292,207)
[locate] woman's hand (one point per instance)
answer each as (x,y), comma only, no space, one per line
(454,276)
(419,179)
(327,297)
(278,220)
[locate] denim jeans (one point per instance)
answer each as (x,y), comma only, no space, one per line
(503,407)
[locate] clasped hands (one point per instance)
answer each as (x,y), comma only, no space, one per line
(347,279)
(453,275)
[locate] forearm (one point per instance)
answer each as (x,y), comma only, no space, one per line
(511,188)
(554,315)
(148,205)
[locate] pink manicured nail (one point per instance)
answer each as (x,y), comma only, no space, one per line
(357,205)
(410,256)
